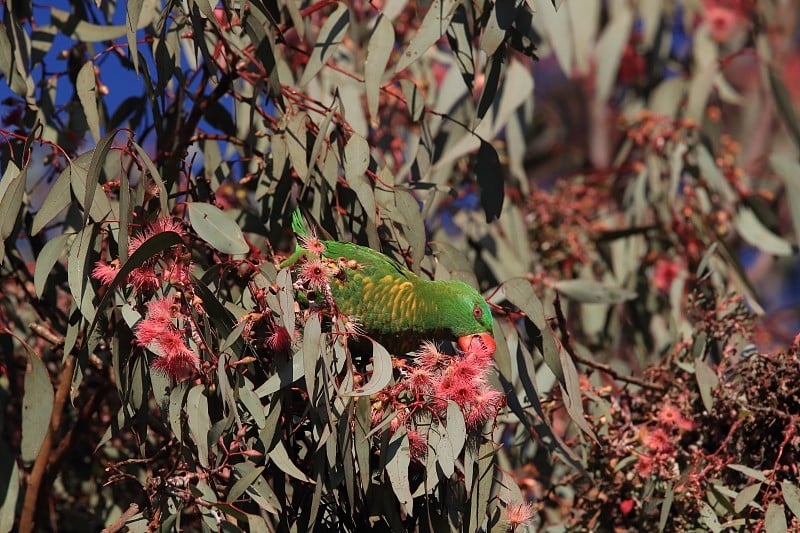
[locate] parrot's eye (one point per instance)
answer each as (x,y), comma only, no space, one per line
(477,312)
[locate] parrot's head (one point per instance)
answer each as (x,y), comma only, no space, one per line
(470,320)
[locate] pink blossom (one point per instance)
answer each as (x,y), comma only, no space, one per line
(644,465)
(483,407)
(105,272)
(657,440)
(177,360)
(312,244)
(144,279)
(279,340)
(154,228)
(149,330)
(163,224)
(518,514)
(428,356)
(161,310)
(420,382)
(671,417)
(314,274)
(418,444)
(664,273)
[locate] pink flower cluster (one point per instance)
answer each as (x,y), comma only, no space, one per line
(177,360)
(660,441)
(433,380)
(149,276)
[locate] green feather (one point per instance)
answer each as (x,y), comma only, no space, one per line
(391,303)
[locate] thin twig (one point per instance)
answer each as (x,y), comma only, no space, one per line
(119,523)
(565,341)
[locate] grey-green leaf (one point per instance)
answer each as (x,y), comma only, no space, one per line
(37,407)
(745,496)
(707,380)
(86,87)
(433,26)
(329,39)
(755,233)
(381,372)
(775,519)
(199,421)
(379,50)
(46,260)
(593,291)
(217,228)
(791,495)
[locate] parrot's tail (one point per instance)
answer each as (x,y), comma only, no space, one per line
(298,224)
(300,230)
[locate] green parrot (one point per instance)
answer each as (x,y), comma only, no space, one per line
(390,303)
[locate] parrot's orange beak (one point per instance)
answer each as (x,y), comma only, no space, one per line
(482,343)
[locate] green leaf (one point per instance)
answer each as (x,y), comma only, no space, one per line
(707,380)
(398,460)
(286,300)
(379,50)
(252,403)
(217,229)
(775,519)
(356,157)
(490,180)
(297,145)
(198,421)
(312,348)
(328,40)
(666,505)
(609,50)
(593,292)
(86,88)
(753,231)
(415,101)
(176,402)
(459,37)
(79,271)
(791,495)
(749,472)
(244,481)
(132,14)
(12,188)
(709,518)
(445,455)
(572,394)
(381,372)
(84,31)
(280,457)
(151,168)
(9,503)
(482,485)
(285,376)
(785,105)
(433,26)
(58,198)
(519,292)
(37,407)
(93,177)
(745,496)
(456,427)
(789,170)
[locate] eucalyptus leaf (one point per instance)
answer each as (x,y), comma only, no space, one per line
(37,407)
(217,229)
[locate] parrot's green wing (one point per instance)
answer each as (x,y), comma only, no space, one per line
(395,306)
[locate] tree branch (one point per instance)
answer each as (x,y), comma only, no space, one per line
(607,369)
(26,524)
